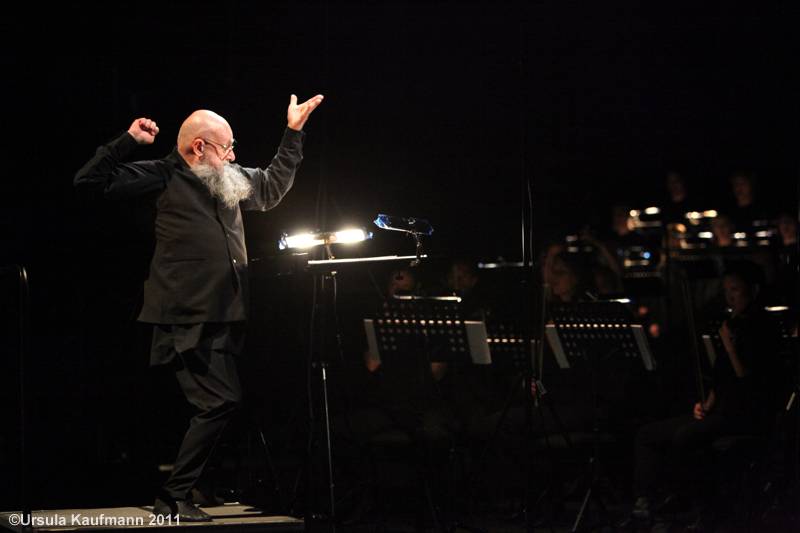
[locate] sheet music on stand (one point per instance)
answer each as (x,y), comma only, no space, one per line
(409,323)
(597,326)
(499,343)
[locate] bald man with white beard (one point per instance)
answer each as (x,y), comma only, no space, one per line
(196,295)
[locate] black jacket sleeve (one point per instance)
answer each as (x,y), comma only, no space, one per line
(270,185)
(106,171)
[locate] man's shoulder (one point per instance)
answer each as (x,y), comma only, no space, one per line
(165,166)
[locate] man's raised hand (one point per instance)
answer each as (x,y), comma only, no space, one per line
(297,114)
(143,130)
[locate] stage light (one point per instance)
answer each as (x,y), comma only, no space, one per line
(300,240)
(325,238)
(350,236)
(652,211)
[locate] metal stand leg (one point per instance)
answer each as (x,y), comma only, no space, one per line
(329,447)
(270,465)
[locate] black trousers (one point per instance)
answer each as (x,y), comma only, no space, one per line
(205,367)
(672,443)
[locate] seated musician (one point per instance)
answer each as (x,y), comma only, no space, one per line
(739,403)
(405,397)
(398,400)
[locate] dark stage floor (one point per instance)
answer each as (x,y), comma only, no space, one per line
(391,517)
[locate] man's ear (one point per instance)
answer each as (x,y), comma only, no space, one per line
(198,146)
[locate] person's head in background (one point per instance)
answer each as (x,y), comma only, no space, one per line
(676,187)
(743,187)
(462,276)
(722,231)
(620,220)
(401,281)
(741,284)
(550,253)
(787,229)
(567,278)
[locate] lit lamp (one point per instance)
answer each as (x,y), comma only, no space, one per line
(303,241)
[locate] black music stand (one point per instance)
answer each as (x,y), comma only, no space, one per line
(586,334)
(324,297)
(509,350)
(431,325)
(324,273)
(413,322)
(507,345)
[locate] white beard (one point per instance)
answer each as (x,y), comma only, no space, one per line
(230,186)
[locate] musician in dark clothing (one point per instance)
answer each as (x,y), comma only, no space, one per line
(785,287)
(739,403)
(746,207)
(196,294)
(678,203)
(398,407)
(401,394)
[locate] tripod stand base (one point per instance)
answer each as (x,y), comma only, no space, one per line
(589,497)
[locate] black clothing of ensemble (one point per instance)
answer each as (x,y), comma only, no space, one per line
(744,217)
(743,405)
(196,294)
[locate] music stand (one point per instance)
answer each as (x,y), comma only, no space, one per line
(413,322)
(323,273)
(580,328)
(432,325)
(580,334)
(507,344)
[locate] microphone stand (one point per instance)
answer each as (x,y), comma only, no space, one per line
(419,252)
(533,361)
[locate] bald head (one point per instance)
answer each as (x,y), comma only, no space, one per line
(200,129)
(202,123)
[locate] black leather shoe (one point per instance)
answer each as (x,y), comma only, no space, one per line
(185,511)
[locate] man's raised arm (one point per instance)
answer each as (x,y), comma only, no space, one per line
(107,172)
(270,185)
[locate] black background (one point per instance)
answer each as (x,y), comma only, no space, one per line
(439,110)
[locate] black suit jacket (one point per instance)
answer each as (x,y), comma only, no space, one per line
(199,269)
